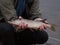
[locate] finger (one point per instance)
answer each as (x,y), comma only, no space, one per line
(20,17)
(22,26)
(45,27)
(16,25)
(42,27)
(19,26)
(26,26)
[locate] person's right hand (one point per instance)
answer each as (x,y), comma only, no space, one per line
(20,26)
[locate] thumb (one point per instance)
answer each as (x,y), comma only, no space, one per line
(20,17)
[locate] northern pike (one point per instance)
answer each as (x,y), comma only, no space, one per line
(32,24)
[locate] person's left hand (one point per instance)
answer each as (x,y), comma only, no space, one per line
(43,26)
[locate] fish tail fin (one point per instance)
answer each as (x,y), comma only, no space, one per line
(53,27)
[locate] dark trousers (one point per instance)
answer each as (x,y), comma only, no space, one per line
(9,37)
(7,34)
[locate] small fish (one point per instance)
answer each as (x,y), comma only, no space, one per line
(32,24)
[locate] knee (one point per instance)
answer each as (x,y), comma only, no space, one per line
(44,37)
(5,27)
(40,37)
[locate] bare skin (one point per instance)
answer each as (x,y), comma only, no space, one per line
(24,25)
(43,26)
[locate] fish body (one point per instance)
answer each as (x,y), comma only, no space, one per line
(32,24)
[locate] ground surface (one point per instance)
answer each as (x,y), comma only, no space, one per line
(50,9)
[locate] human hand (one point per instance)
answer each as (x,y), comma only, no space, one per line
(43,26)
(21,25)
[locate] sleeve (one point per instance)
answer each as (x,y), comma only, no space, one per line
(7,9)
(35,10)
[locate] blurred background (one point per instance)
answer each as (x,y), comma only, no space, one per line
(50,10)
